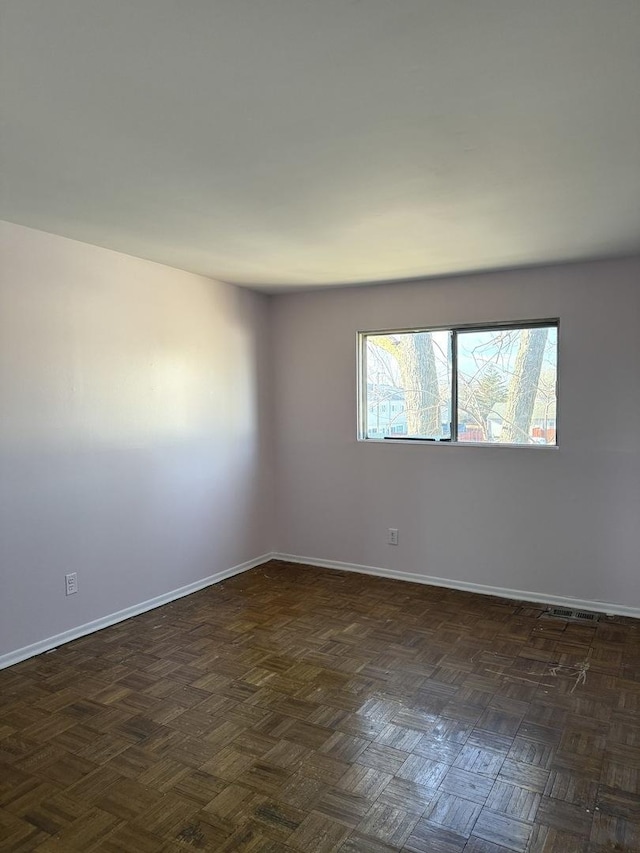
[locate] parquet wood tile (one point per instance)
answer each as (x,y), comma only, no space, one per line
(344,807)
(389,824)
(503,830)
(453,812)
(545,839)
(471,786)
(445,751)
(513,801)
(525,776)
(318,834)
(572,788)
(298,709)
(410,796)
(382,757)
(357,843)
(435,839)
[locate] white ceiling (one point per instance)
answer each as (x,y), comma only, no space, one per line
(282,143)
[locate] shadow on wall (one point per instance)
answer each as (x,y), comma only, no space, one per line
(131,400)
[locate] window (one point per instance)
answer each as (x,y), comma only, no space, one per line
(486,384)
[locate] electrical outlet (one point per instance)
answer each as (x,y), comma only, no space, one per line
(71,583)
(393,536)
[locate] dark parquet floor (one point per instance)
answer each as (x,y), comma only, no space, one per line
(300,709)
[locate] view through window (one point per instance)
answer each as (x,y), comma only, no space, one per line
(486,384)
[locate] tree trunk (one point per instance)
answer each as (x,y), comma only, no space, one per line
(523,387)
(417,364)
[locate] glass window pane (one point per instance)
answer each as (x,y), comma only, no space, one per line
(507,385)
(408,385)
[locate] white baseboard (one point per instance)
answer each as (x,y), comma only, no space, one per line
(501,592)
(105,621)
(610,608)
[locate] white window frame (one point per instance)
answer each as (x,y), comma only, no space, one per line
(552,322)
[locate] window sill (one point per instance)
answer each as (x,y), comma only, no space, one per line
(485,444)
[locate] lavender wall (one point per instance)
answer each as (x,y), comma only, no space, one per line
(134,431)
(557,522)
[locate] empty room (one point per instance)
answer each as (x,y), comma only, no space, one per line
(320,426)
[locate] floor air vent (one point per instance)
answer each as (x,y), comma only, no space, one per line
(576,615)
